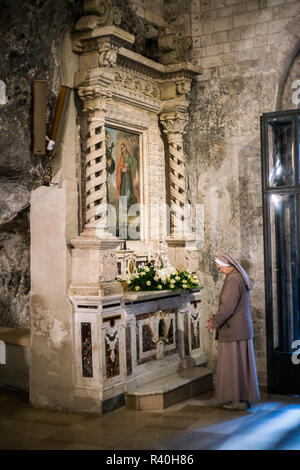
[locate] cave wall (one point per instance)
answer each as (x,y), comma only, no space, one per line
(31,34)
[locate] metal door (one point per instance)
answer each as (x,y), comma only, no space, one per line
(281,207)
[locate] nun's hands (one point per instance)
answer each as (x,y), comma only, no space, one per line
(209,325)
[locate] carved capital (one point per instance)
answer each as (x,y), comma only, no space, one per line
(108,54)
(107,14)
(94,98)
(174,124)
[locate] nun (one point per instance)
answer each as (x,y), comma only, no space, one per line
(236,378)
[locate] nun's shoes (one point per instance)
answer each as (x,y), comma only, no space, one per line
(236,405)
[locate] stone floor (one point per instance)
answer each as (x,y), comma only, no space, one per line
(198,423)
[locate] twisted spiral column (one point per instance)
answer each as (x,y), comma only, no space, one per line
(94,101)
(173,126)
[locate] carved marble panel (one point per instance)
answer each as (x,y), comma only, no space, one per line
(128,351)
(186,335)
(147,343)
(195,317)
(112,360)
(86,350)
(156,335)
(195,334)
(112,346)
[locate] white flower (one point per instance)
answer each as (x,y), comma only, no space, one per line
(128,281)
(148,283)
(177,278)
(156,278)
(172,281)
(165,273)
(143,273)
(184,286)
(137,287)
(162,274)
(195,281)
(184,281)
(147,269)
(172,286)
(159,286)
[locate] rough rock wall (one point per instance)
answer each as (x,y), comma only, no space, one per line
(243,47)
(31,32)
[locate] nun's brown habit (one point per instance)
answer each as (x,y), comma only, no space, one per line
(236,378)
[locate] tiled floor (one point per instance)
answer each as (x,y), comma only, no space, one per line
(198,423)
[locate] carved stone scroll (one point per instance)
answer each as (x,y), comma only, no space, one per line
(106,13)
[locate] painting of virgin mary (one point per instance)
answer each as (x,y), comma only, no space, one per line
(123,171)
(126,177)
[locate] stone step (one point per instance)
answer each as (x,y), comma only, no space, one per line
(172,389)
(15,368)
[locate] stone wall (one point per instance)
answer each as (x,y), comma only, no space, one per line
(31,34)
(244,48)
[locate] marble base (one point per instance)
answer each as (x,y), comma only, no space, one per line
(113,403)
(118,344)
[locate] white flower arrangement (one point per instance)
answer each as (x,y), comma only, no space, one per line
(162,275)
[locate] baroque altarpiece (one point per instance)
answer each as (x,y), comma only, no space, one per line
(133,113)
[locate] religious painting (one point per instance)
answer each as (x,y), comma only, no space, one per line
(123,182)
